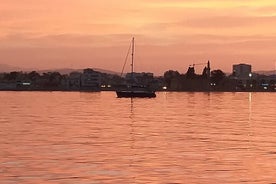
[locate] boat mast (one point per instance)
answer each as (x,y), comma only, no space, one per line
(132,59)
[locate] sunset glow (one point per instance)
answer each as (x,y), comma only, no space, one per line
(46,34)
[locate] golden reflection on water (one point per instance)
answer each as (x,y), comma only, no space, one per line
(55,137)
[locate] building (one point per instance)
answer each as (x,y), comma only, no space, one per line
(143,78)
(242,71)
(74,80)
(90,80)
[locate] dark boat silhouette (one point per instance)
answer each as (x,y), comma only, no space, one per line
(133,90)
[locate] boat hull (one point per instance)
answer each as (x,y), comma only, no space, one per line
(135,94)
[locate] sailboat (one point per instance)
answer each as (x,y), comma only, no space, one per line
(133,90)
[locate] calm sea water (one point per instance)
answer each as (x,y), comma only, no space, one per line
(93,138)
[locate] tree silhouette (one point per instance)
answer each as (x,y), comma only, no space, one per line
(12,75)
(33,76)
(217,76)
(191,73)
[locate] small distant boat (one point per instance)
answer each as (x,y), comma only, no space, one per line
(135,91)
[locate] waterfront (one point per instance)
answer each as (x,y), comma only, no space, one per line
(73,137)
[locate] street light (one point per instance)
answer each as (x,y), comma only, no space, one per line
(250,76)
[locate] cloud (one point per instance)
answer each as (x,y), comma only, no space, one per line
(231,21)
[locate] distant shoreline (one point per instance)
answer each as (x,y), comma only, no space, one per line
(97,91)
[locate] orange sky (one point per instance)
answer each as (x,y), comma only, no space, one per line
(169,34)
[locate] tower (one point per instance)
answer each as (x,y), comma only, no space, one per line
(208,69)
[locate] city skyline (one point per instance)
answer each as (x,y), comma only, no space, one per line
(169,35)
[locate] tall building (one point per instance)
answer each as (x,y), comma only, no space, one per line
(242,71)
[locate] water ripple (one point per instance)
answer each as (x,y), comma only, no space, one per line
(57,137)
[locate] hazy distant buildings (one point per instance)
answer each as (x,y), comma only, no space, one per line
(139,75)
(190,81)
(242,79)
(143,78)
(90,80)
(74,80)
